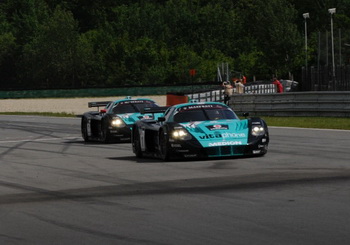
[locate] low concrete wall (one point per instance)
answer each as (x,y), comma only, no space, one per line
(330,104)
(69,105)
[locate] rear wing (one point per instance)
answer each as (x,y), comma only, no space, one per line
(160,109)
(98,104)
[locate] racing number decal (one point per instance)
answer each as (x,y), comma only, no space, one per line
(88,127)
(142,140)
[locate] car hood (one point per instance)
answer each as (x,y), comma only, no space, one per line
(131,118)
(219,133)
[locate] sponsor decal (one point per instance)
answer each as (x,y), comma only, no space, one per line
(190,155)
(190,124)
(125,116)
(142,140)
(217,127)
(225,143)
(233,135)
(210,136)
(88,127)
(147,117)
(256,151)
(182,151)
(223,135)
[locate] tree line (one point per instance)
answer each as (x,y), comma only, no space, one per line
(108,43)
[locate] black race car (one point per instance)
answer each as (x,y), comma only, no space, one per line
(114,122)
(199,130)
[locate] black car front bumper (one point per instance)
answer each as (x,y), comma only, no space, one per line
(193,149)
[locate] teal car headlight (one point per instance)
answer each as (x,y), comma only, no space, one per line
(117,122)
(258,130)
(180,134)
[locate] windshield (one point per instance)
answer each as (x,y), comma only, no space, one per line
(202,114)
(122,108)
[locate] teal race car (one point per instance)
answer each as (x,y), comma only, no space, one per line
(114,122)
(199,130)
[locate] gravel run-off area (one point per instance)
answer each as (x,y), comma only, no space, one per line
(65,105)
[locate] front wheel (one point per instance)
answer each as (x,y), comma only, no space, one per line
(105,135)
(164,146)
(84,129)
(136,143)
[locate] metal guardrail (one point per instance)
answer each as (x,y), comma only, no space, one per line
(330,104)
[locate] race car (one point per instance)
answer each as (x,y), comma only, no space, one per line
(114,122)
(199,130)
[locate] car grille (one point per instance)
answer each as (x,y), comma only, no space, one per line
(224,151)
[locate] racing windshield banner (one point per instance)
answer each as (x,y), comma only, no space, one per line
(219,133)
(201,106)
(135,102)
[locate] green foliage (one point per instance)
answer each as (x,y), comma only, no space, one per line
(52,52)
(7,43)
(101,43)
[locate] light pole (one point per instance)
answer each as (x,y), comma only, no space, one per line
(306,15)
(332,11)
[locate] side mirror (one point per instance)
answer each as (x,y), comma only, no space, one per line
(246,114)
(161,119)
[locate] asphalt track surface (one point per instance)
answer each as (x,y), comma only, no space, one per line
(56,189)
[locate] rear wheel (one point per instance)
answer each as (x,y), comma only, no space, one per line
(164,146)
(136,143)
(84,129)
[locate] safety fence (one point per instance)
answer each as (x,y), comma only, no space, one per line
(323,78)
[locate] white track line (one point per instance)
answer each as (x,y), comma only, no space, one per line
(315,129)
(34,140)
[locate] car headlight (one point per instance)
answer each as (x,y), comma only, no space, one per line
(117,122)
(180,134)
(258,130)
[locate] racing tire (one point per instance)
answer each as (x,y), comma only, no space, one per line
(164,146)
(105,134)
(136,143)
(84,129)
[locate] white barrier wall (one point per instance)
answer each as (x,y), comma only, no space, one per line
(332,104)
